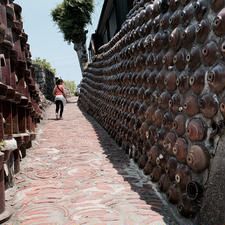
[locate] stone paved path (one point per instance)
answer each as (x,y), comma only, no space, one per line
(78,175)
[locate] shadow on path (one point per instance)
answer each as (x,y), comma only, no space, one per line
(130,172)
(71,102)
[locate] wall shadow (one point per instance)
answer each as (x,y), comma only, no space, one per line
(71,102)
(130,172)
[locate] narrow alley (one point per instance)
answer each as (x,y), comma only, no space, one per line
(76,174)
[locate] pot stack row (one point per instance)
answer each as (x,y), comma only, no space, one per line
(158,88)
(19,97)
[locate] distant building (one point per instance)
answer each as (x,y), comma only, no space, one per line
(113,15)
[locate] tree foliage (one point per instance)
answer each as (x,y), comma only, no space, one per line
(72,16)
(70,85)
(44,64)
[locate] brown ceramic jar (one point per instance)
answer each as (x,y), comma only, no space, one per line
(174,193)
(179,124)
(164,183)
(196,130)
(170,81)
(217,5)
(191,106)
(183,176)
(210,53)
(197,81)
(169,142)
(180,150)
(219,23)
(182,82)
(202,31)
(171,168)
(216,78)
(208,105)
(198,158)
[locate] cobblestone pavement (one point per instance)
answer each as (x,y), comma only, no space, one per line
(76,174)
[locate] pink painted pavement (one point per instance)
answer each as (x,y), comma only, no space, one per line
(76,174)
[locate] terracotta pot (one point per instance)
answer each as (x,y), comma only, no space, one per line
(159,80)
(171,168)
(208,105)
(202,31)
(217,5)
(164,22)
(175,103)
(170,81)
(196,129)
(210,53)
(198,158)
(167,121)
(179,60)
(195,190)
(149,113)
(186,207)
(168,59)
(180,149)
(174,4)
(175,39)
(182,82)
(200,9)
(219,23)
(183,176)
(155,151)
(197,81)
(191,106)
(175,19)
(158,115)
(216,78)
(174,193)
(188,36)
(163,100)
(194,58)
(156,174)
(179,124)
(148,168)
(169,142)
(164,183)
(187,14)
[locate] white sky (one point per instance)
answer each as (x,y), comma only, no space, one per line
(47,42)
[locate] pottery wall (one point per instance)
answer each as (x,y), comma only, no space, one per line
(158,88)
(19,97)
(45,80)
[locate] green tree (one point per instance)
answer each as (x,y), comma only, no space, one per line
(44,64)
(70,85)
(72,16)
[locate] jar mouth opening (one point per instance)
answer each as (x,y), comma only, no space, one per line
(189,159)
(180,207)
(177,178)
(222,107)
(205,52)
(192,80)
(174,150)
(210,76)
(223,47)
(188,58)
(217,21)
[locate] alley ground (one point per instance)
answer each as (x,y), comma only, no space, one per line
(76,174)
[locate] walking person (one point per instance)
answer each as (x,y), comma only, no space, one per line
(60,98)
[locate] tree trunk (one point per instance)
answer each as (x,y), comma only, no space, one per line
(80,48)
